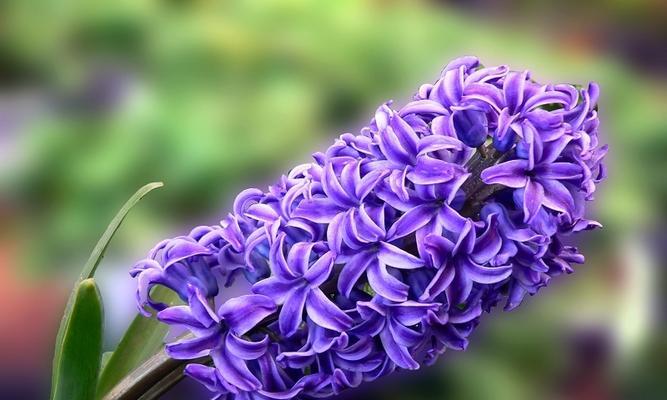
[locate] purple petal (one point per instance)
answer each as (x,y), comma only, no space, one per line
(531,142)
(451,337)
(369,182)
(544,98)
(403,335)
(368,230)
(411,312)
(514,87)
(510,173)
(396,181)
(433,143)
(194,348)
(397,353)
(453,84)
(274,288)
(297,359)
(392,147)
(505,121)
(287,203)
(382,115)
(298,257)
(179,315)
(533,196)
(245,349)
(412,220)
(317,209)
(335,232)
(292,392)
(373,308)
(207,376)
(467,62)
(279,265)
(489,243)
(486,275)
(180,249)
(392,199)
(352,271)
(350,231)
(350,178)
(467,315)
(429,170)
(319,272)
(460,287)
(405,134)
(486,93)
(245,198)
(466,240)
(146,279)
(234,370)
(231,232)
(450,219)
(516,296)
(333,188)
(262,212)
(291,315)
(487,74)
(441,126)
(397,258)
(309,228)
(422,107)
(244,312)
(356,352)
(322,339)
(556,196)
(440,282)
(385,284)
(559,170)
(438,248)
(370,326)
(325,313)
(552,150)
(200,307)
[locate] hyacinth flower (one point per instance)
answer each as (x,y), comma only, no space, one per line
(459,265)
(389,247)
(295,284)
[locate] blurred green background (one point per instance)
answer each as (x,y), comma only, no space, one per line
(98,98)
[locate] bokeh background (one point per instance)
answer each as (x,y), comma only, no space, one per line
(98,98)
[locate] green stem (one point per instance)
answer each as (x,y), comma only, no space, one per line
(152,378)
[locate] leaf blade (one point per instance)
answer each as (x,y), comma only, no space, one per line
(142,340)
(101,246)
(88,272)
(77,366)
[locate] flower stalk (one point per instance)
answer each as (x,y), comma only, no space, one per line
(154,377)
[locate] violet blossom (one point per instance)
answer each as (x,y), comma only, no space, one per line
(386,249)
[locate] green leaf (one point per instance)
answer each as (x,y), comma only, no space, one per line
(142,340)
(87,273)
(106,356)
(77,364)
(101,246)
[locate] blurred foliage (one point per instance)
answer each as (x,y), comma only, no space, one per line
(210,97)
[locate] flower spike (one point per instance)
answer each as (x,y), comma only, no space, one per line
(386,249)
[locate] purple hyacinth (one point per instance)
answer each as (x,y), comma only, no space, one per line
(385,250)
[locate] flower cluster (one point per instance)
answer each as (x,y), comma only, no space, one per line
(385,251)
